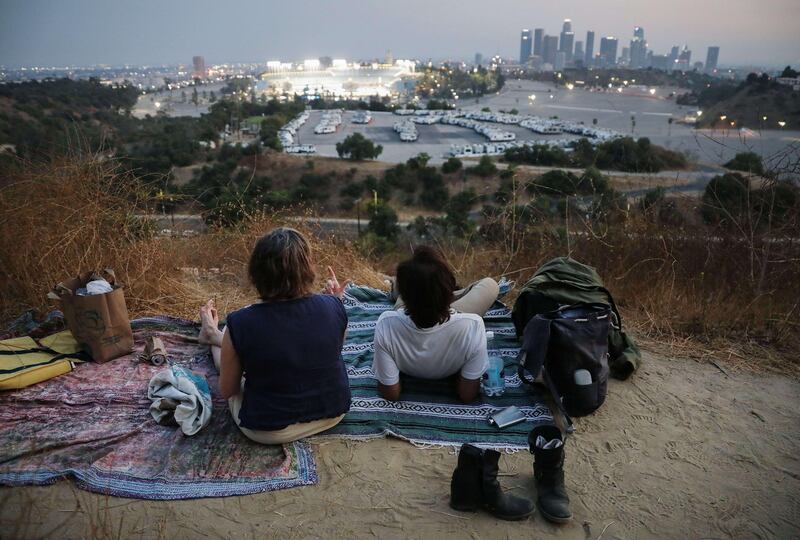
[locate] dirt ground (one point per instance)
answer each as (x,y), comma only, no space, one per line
(682,450)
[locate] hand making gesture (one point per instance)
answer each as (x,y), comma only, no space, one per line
(333,287)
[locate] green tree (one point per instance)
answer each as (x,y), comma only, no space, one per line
(484,168)
(458,209)
(725,199)
(749,162)
(452,165)
(356,147)
(382,221)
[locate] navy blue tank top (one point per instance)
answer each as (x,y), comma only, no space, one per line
(291,354)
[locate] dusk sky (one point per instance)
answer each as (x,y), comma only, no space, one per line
(83,32)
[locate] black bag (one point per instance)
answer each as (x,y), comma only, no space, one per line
(565,282)
(557,344)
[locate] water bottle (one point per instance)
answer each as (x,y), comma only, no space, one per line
(493,382)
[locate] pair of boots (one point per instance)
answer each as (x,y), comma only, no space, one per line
(475,484)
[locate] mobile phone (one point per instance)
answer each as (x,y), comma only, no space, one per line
(506,417)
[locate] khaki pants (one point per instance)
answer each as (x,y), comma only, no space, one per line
(280,436)
(476,298)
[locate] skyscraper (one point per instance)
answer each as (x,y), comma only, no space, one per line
(567,39)
(525,43)
(608,51)
(549,49)
(638,49)
(685,58)
(712,58)
(538,38)
(199,64)
(589,48)
(478,59)
(578,54)
(561,61)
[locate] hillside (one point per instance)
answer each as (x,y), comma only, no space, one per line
(748,104)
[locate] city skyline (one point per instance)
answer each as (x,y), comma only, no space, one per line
(90,32)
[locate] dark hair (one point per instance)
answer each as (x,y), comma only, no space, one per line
(280,265)
(426,284)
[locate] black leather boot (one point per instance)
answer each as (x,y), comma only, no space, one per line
(465,487)
(548,471)
(500,505)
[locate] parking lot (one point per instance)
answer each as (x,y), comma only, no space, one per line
(611,109)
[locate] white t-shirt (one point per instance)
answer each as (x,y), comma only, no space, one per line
(457,345)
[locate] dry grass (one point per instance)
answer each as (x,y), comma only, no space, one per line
(74,215)
(681,294)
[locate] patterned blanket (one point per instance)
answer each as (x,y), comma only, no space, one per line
(429,412)
(93,425)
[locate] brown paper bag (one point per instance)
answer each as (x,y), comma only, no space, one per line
(99,322)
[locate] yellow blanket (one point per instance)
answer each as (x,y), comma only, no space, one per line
(24,362)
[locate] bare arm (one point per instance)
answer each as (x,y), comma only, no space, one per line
(389,392)
(230,369)
(467,389)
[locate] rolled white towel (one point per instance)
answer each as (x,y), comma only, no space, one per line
(180,394)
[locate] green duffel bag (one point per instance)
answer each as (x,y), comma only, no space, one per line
(563,282)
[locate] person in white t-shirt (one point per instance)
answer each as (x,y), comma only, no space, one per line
(435,331)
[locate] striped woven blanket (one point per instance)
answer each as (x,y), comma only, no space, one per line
(429,412)
(94,425)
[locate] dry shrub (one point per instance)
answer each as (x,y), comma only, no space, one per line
(78,214)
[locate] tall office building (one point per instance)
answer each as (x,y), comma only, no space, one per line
(685,58)
(608,51)
(673,57)
(561,61)
(549,49)
(712,58)
(567,39)
(199,67)
(538,38)
(578,54)
(589,57)
(478,59)
(525,43)
(625,56)
(638,49)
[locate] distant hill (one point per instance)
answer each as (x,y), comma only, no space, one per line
(747,104)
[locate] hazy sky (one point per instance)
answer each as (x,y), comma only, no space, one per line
(81,32)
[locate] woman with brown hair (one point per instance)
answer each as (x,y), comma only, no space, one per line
(279,360)
(435,330)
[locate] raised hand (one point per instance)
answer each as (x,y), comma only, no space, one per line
(333,287)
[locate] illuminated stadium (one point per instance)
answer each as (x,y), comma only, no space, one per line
(340,80)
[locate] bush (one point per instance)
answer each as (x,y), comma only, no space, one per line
(538,155)
(382,221)
(749,162)
(484,168)
(725,199)
(452,165)
(356,147)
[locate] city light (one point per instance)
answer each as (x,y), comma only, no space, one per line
(764,118)
(532,97)
(723,117)
(570,86)
(781,123)
(699,113)
(652,91)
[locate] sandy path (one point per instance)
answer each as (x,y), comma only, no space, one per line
(680,451)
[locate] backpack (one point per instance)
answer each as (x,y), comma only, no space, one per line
(565,282)
(557,344)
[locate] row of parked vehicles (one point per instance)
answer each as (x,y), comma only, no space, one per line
(362,117)
(407,130)
(329,122)
(496,149)
(473,119)
(287,134)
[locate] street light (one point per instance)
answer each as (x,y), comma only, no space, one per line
(723,117)
(781,123)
